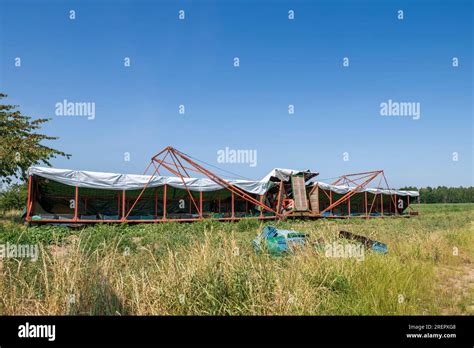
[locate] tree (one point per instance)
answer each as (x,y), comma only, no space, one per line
(13,198)
(20,145)
(443,194)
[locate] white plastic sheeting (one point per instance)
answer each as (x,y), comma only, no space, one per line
(285,174)
(343,189)
(114,181)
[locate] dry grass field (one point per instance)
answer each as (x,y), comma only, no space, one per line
(210,268)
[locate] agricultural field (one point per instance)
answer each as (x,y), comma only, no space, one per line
(211,268)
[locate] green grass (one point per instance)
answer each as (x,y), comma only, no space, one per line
(210,268)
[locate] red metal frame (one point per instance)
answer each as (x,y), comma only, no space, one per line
(177,168)
(29,203)
(356,183)
(181,165)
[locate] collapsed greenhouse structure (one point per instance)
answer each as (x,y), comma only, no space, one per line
(190,192)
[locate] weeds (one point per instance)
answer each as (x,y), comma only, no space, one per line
(210,268)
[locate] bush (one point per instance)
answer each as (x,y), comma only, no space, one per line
(13,198)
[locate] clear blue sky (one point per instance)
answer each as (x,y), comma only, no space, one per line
(282,62)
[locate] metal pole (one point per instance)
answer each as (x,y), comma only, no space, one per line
(365,200)
(156,203)
(200,204)
(221,181)
(381,202)
(330,201)
(396,207)
(118,204)
(349,206)
(164,201)
(76,201)
(29,203)
(123,205)
(232,204)
(350,193)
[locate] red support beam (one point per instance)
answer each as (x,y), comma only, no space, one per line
(178,174)
(76,203)
(29,203)
(350,193)
(200,204)
(164,201)
(222,182)
(365,203)
(381,203)
(388,188)
(156,203)
(123,205)
(396,206)
(232,205)
(183,167)
(141,193)
(118,203)
(178,159)
(330,202)
(372,205)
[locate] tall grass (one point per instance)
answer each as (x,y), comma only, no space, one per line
(210,268)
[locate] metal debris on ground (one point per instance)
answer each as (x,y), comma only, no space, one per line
(367,242)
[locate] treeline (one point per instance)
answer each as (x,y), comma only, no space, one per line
(443,194)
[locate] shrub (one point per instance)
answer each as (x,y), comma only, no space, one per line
(13,198)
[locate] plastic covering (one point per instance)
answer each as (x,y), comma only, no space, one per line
(343,189)
(285,174)
(114,181)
